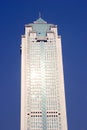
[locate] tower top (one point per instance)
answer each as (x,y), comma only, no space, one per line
(40,20)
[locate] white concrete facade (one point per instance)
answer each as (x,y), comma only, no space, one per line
(42,83)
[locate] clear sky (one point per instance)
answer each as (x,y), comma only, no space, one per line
(71,18)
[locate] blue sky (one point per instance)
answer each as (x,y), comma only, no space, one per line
(71,18)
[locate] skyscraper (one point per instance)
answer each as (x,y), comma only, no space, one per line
(42,84)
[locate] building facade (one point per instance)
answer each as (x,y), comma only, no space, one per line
(42,85)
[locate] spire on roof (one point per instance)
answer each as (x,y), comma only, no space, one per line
(40,20)
(39,14)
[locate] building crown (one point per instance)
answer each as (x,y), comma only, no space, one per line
(40,20)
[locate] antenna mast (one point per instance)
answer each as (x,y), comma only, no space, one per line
(39,14)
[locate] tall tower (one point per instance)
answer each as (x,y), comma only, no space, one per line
(42,84)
